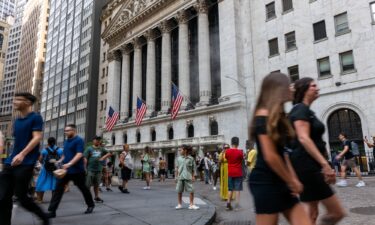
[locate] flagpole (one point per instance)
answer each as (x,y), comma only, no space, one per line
(187,98)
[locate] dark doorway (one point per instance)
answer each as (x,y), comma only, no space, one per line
(171,157)
(214,128)
(190,131)
(347,121)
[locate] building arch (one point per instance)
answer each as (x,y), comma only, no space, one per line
(190,131)
(170,133)
(214,128)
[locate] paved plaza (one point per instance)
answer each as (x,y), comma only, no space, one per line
(156,206)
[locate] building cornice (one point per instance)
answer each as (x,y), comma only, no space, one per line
(132,13)
(182,115)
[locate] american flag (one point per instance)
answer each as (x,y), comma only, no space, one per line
(111,119)
(141,111)
(177,99)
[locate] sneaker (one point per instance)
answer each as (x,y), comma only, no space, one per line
(99,200)
(194,207)
(51,214)
(214,188)
(89,209)
(342,183)
(120,188)
(125,191)
(145,188)
(229,207)
(178,207)
(108,189)
(360,184)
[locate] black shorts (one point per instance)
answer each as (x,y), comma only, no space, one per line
(314,187)
(272,198)
(125,173)
(162,172)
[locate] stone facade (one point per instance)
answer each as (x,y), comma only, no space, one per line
(245,29)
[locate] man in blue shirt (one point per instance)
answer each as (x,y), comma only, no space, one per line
(73,163)
(19,166)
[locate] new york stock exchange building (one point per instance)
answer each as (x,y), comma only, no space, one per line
(217,52)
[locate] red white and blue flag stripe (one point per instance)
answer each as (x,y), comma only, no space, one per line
(177,99)
(141,111)
(112,118)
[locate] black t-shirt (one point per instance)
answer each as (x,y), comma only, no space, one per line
(348,154)
(301,159)
(262,173)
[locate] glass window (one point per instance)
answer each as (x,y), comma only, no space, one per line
(287,5)
(319,30)
(270,10)
(293,73)
(341,23)
(290,40)
(347,61)
(273,47)
(372,7)
(324,67)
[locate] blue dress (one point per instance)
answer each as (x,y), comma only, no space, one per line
(46,181)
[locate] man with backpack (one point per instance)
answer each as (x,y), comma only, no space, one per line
(94,157)
(349,161)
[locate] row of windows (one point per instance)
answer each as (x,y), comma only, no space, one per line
(287,5)
(324,66)
(319,28)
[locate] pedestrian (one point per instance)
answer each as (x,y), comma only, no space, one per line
(349,161)
(235,159)
(19,165)
(207,168)
(49,157)
(371,145)
(73,162)
(215,169)
(108,176)
(310,155)
(251,158)
(126,165)
(162,169)
(95,155)
(146,159)
(273,183)
(223,173)
(185,176)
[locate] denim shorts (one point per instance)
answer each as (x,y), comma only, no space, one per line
(235,183)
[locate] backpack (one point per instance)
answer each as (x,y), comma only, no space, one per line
(51,158)
(354,148)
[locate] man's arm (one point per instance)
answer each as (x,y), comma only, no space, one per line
(346,149)
(37,137)
(105,156)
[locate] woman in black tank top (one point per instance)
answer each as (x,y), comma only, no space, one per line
(273,183)
(309,152)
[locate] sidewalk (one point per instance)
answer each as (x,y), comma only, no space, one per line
(140,207)
(359,204)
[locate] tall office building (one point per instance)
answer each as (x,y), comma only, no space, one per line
(71,69)
(4,36)
(32,49)
(10,70)
(7,8)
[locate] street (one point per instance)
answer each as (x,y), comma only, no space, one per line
(156,206)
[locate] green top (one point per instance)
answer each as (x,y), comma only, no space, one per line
(93,154)
(186,167)
(146,163)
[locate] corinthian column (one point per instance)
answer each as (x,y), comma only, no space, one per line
(137,77)
(204,53)
(166,66)
(183,56)
(125,82)
(114,73)
(151,71)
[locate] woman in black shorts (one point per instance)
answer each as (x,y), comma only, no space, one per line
(309,153)
(272,182)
